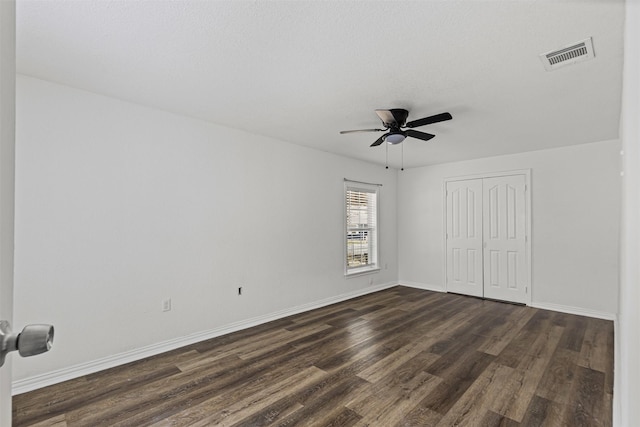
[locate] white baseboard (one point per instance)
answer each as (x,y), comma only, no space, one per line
(574,310)
(424,286)
(71,372)
(543,305)
(617,390)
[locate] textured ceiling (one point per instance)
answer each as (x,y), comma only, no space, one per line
(301,71)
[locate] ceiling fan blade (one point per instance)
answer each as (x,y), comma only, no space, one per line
(361,130)
(420,135)
(428,120)
(386,116)
(380,140)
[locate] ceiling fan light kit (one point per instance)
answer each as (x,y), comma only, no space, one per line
(395,138)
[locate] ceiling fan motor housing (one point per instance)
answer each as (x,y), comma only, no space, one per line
(396,119)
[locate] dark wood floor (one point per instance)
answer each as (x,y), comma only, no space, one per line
(400,357)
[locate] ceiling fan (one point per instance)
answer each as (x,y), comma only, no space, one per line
(394,122)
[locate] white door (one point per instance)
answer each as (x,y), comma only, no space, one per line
(504,227)
(7,144)
(486,243)
(464,237)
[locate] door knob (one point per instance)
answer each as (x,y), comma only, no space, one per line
(34,339)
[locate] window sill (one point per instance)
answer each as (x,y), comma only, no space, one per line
(361,272)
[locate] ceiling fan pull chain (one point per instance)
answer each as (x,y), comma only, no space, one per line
(402,159)
(386,161)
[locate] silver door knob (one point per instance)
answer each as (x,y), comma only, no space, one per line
(34,339)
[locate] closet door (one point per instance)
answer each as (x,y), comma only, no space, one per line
(504,229)
(464,237)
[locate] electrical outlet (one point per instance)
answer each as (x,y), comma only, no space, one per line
(166,305)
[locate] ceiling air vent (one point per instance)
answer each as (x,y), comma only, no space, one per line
(568,55)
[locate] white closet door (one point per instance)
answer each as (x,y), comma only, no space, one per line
(504,227)
(464,237)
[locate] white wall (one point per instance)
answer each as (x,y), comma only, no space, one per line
(120,206)
(627,381)
(7,168)
(575,223)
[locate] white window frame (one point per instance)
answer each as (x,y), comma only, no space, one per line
(374,264)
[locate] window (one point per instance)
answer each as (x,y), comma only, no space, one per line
(361,231)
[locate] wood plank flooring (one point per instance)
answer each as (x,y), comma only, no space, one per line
(399,357)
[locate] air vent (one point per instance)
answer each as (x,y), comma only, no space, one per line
(577,52)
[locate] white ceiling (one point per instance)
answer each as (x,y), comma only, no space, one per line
(301,71)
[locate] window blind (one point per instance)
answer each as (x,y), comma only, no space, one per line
(362,228)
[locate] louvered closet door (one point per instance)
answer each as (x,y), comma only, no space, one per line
(504,228)
(464,237)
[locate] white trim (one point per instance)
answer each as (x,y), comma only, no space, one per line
(371,268)
(575,310)
(617,403)
(71,372)
(423,286)
(363,272)
(488,175)
(444,234)
(544,306)
(528,210)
